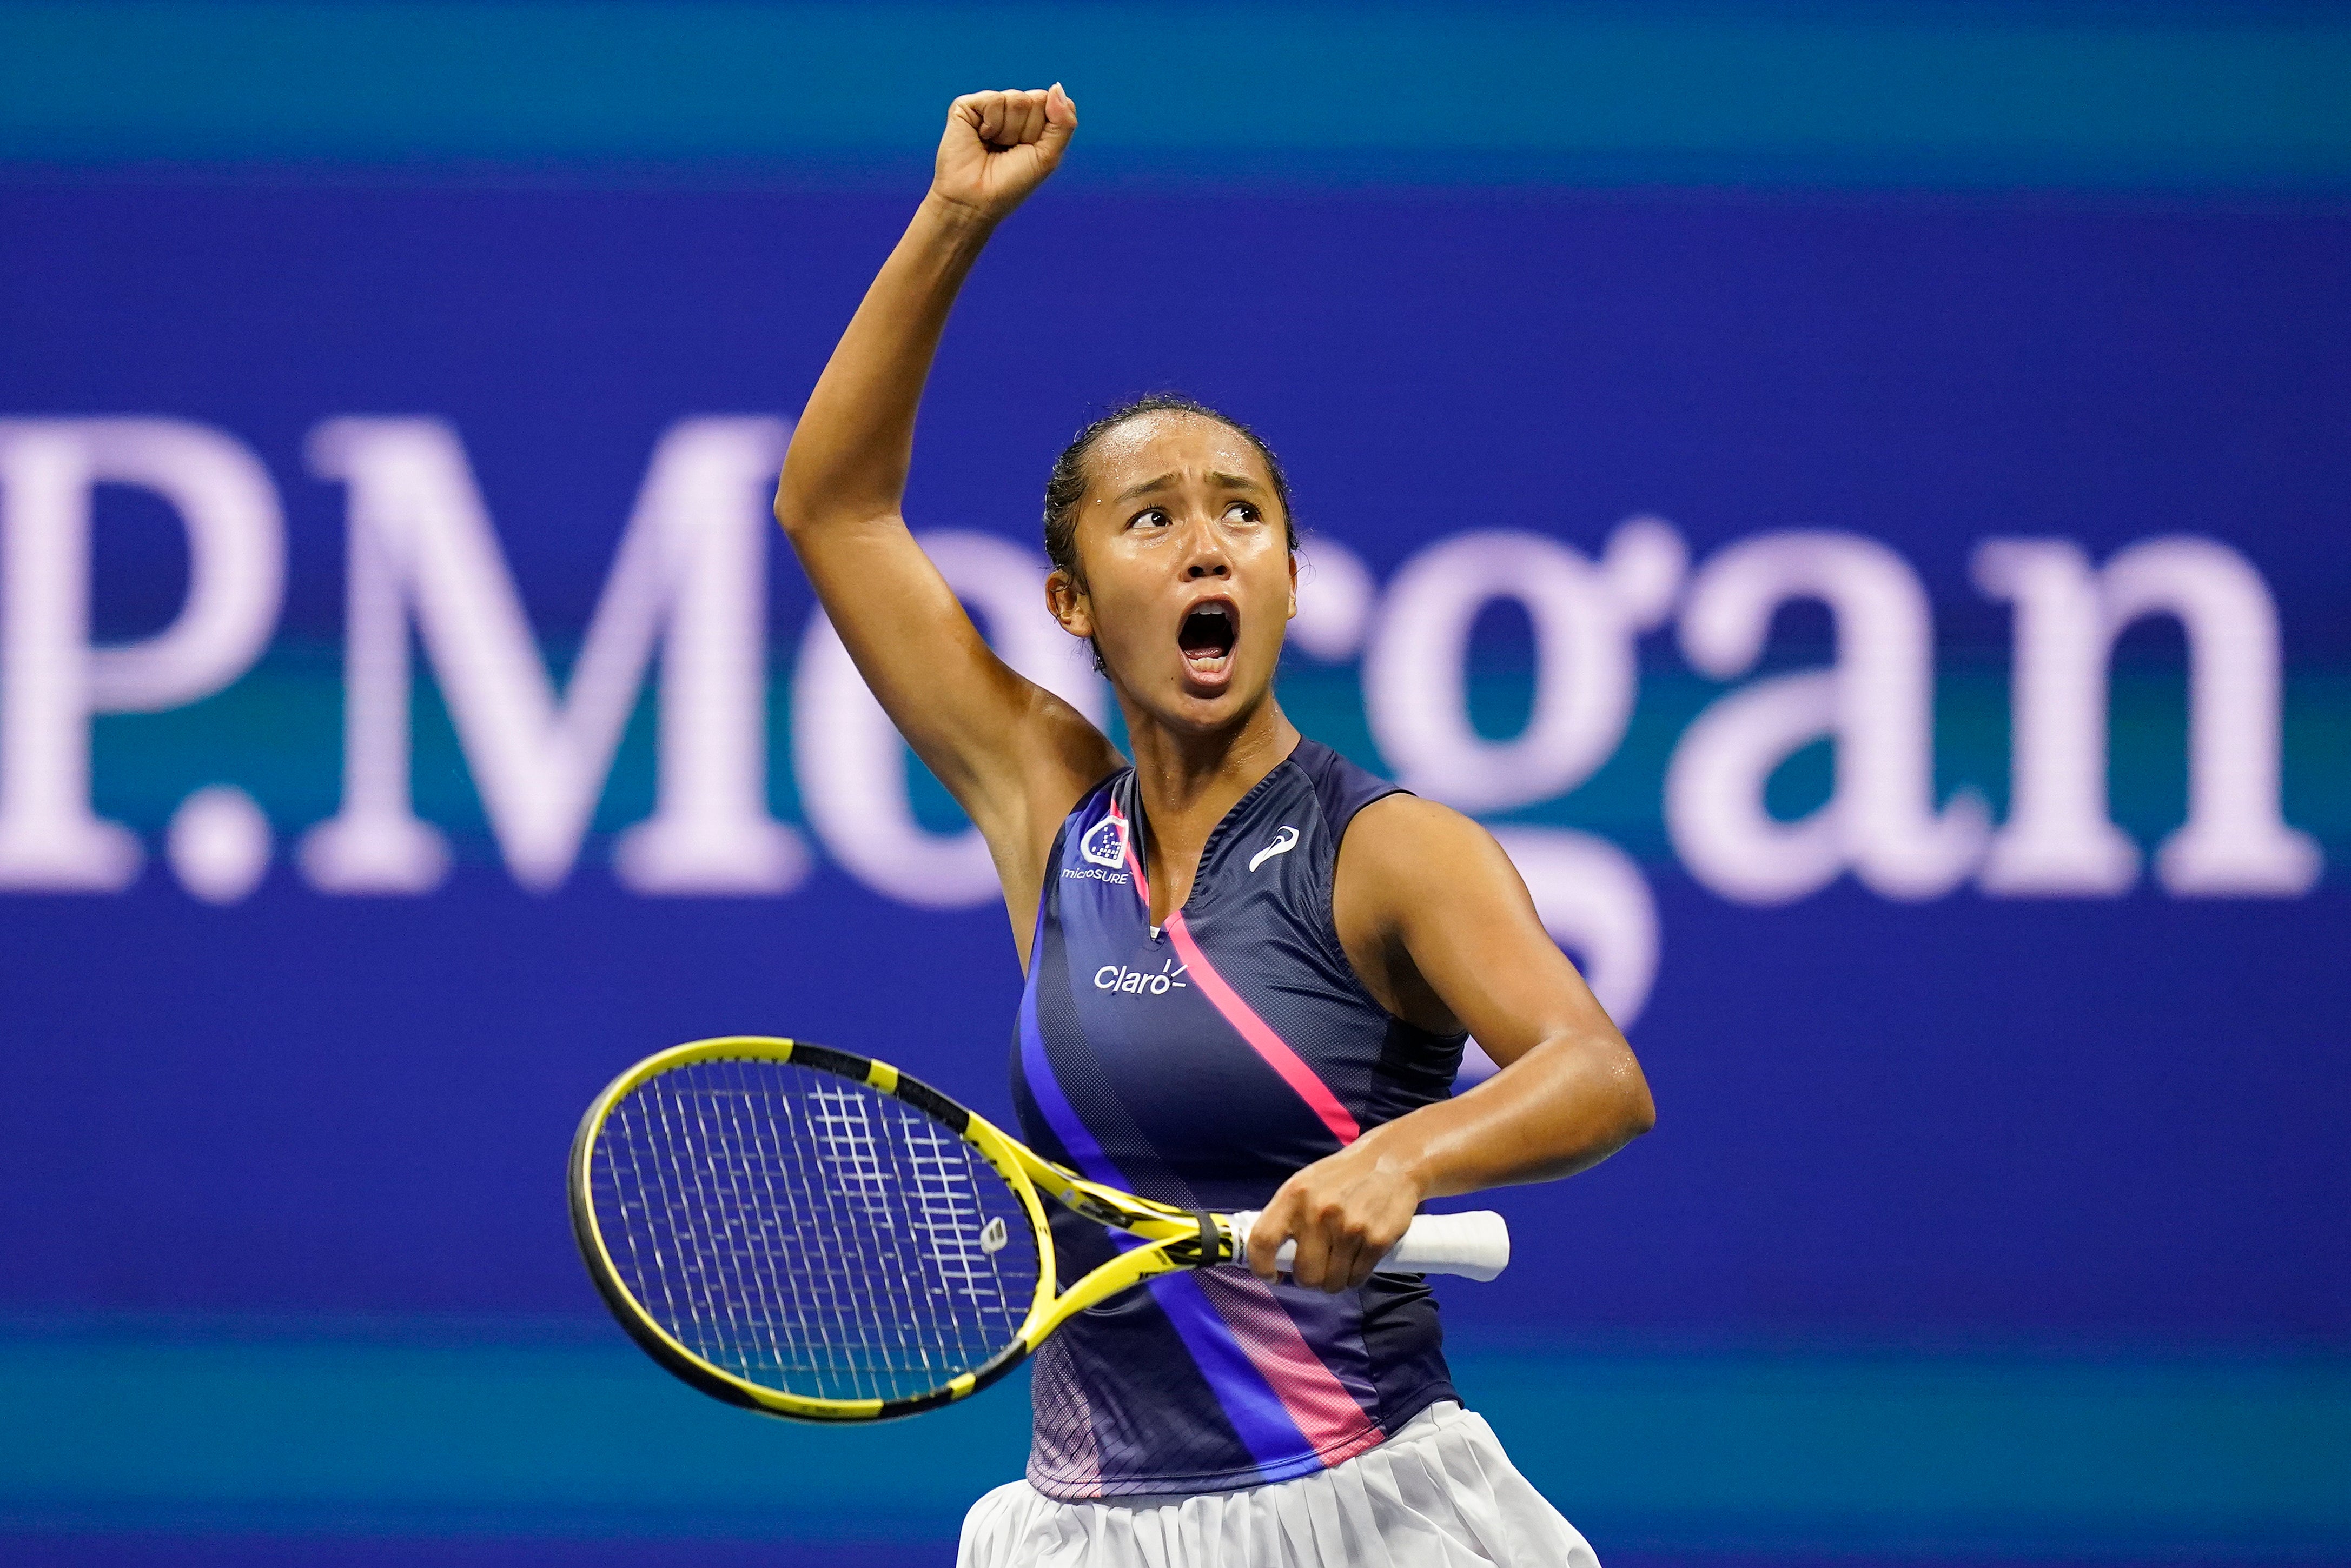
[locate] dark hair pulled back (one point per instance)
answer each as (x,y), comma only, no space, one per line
(1067,486)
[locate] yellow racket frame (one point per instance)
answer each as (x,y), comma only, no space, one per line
(1174,1238)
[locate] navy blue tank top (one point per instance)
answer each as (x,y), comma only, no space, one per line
(1200,1065)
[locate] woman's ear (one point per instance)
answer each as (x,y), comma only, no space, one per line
(1066,598)
(1293,585)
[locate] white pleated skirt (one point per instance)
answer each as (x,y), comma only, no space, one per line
(1439,1494)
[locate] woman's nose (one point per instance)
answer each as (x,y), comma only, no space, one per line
(1205,556)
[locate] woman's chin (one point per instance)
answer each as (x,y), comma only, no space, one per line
(1201,704)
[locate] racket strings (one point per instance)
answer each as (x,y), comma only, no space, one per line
(810,1234)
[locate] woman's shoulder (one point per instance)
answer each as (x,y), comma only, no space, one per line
(1395,838)
(1341,787)
(1345,789)
(1394,844)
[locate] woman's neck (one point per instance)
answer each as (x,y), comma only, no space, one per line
(1187,781)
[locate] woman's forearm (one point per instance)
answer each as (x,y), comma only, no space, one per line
(1565,1105)
(849,457)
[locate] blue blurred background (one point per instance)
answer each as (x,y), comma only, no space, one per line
(1855,495)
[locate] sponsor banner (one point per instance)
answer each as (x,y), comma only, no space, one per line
(1903,650)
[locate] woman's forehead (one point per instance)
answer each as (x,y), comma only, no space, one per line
(1170,442)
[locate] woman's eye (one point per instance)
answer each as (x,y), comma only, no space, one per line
(1151,518)
(1241,511)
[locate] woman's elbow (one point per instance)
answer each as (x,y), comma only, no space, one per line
(1639,1107)
(791,505)
(1641,1114)
(805,496)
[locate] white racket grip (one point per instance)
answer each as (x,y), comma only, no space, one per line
(1476,1246)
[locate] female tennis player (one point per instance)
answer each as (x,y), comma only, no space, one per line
(1251,967)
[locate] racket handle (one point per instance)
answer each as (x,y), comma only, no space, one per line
(1476,1246)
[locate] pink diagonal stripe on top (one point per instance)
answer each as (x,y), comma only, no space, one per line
(1133,857)
(1260,1035)
(1237,1012)
(1326,1414)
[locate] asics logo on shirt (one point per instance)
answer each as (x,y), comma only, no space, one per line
(1105,843)
(1139,982)
(1283,842)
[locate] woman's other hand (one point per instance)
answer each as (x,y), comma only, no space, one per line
(999,146)
(1344,1212)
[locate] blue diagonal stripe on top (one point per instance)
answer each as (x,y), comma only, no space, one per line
(1250,1403)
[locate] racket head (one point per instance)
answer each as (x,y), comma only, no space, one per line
(809,1232)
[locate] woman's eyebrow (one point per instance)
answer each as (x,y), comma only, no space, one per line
(1222,481)
(1147,487)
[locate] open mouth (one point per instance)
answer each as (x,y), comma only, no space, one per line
(1206,637)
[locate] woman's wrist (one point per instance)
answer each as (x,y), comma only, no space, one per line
(1399,1155)
(957,217)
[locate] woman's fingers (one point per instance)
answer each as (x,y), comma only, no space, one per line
(1011,119)
(1002,113)
(1347,1254)
(1001,145)
(1312,1267)
(983,112)
(1266,1233)
(1342,1214)
(1060,124)
(1024,119)
(1313,1258)
(1324,1251)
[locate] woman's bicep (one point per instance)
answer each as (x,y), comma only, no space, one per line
(1000,743)
(1447,901)
(1570,1092)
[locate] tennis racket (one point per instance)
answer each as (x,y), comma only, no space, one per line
(815,1235)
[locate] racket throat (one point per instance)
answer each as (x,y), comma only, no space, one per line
(1211,1246)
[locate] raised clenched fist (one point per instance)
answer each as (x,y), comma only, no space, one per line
(999,146)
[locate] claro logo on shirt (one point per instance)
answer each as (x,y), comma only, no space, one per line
(1140,981)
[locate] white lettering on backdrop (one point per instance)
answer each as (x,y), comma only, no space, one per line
(693,557)
(1876,703)
(52,679)
(1335,596)
(688,579)
(2058,838)
(1587,617)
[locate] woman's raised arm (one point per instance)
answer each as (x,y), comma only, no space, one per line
(1015,756)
